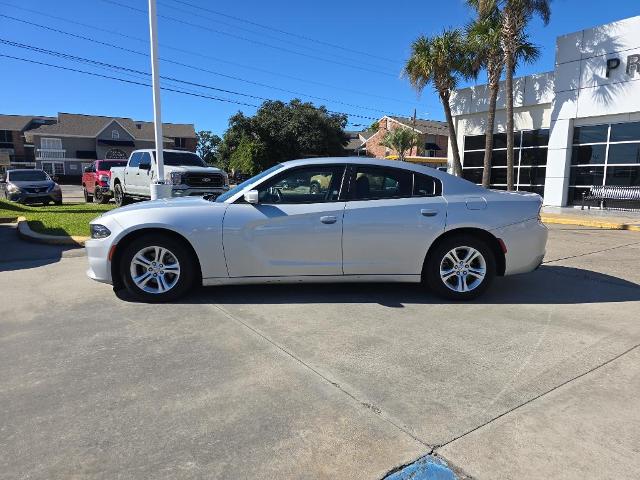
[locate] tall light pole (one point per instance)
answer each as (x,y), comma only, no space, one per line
(158,187)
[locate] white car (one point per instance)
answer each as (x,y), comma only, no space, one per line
(363,220)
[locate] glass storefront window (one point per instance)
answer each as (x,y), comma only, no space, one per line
(586,175)
(534,156)
(474,142)
(624,132)
(589,155)
(472,174)
(535,138)
(624,153)
(532,175)
(474,159)
(498,175)
(590,134)
(625,176)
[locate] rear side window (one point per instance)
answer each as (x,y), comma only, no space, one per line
(426,186)
(373,183)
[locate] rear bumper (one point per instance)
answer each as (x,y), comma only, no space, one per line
(526,244)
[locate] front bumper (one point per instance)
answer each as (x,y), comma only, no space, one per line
(526,244)
(38,197)
(98,257)
(186,191)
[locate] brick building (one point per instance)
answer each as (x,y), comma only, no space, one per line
(14,148)
(431,148)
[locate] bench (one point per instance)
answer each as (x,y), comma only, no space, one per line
(602,194)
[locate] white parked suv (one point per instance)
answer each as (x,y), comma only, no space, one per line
(186,172)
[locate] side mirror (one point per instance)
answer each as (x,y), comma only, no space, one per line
(251,197)
(144,166)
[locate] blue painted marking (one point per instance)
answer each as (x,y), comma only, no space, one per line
(426,468)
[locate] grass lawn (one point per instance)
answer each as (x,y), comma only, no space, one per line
(67,219)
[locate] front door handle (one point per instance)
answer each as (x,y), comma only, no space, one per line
(428,213)
(328,219)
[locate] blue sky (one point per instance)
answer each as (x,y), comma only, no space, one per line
(360,78)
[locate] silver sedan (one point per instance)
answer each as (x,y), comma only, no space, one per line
(323,220)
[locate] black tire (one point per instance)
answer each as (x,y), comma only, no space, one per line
(460,272)
(100,197)
(314,188)
(177,251)
(119,196)
(87,198)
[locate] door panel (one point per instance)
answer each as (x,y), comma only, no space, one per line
(283,239)
(390,236)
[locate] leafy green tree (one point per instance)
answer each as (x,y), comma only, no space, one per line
(282,131)
(400,139)
(208,144)
(484,46)
(516,15)
(248,157)
(441,61)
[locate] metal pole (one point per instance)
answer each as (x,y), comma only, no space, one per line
(158,189)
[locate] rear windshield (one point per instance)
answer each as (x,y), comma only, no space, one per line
(32,176)
(107,164)
(184,159)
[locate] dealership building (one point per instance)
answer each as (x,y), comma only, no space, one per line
(577,126)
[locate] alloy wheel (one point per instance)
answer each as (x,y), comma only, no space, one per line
(155,270)
(463,269)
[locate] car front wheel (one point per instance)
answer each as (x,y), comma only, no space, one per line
(460,268)
(157,268)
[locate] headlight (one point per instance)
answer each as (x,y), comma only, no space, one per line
(104,178)
(174,178)
(54,188)
(99,231)
(12,188)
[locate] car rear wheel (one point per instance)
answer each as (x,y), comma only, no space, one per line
(100,197)
(156,268)
(119,196)
(87,197)
(460,268)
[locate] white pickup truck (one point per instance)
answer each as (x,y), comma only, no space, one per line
(185,171)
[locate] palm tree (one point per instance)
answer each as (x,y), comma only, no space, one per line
(516,14)
(484,44)
(439,60)
(400,139)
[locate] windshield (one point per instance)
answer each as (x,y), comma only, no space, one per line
(28,176)
(182,159)
(246,183)
(107,164)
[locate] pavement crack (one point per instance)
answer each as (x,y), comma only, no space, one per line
(333,383)
(533,399)
(591,253)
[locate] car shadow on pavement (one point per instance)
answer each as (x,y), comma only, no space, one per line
(18,254)
(547,285)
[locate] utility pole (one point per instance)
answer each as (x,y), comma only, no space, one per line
(158,187)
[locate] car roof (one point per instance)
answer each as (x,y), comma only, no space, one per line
(12,170)
(163,150)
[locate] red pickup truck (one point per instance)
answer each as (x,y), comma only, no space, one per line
(95,180)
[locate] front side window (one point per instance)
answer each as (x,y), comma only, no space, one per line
(373,183)
(316,184)
(145,158)
(135,159)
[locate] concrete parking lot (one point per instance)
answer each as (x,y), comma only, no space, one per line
(538,379)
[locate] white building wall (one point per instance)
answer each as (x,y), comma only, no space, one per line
(577,92)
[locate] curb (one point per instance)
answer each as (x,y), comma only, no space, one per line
(589,223)
(25,232)
(8,219)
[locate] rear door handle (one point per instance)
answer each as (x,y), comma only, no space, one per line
(328,219)
(428,213)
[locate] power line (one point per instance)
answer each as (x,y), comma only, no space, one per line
(284,32)
(208,57)
(200,95)
(250,40)
(193,67)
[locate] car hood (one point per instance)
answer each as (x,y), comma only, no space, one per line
(165,203)
(34,184)
(171,168)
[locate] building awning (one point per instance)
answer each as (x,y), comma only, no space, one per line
(119,143)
